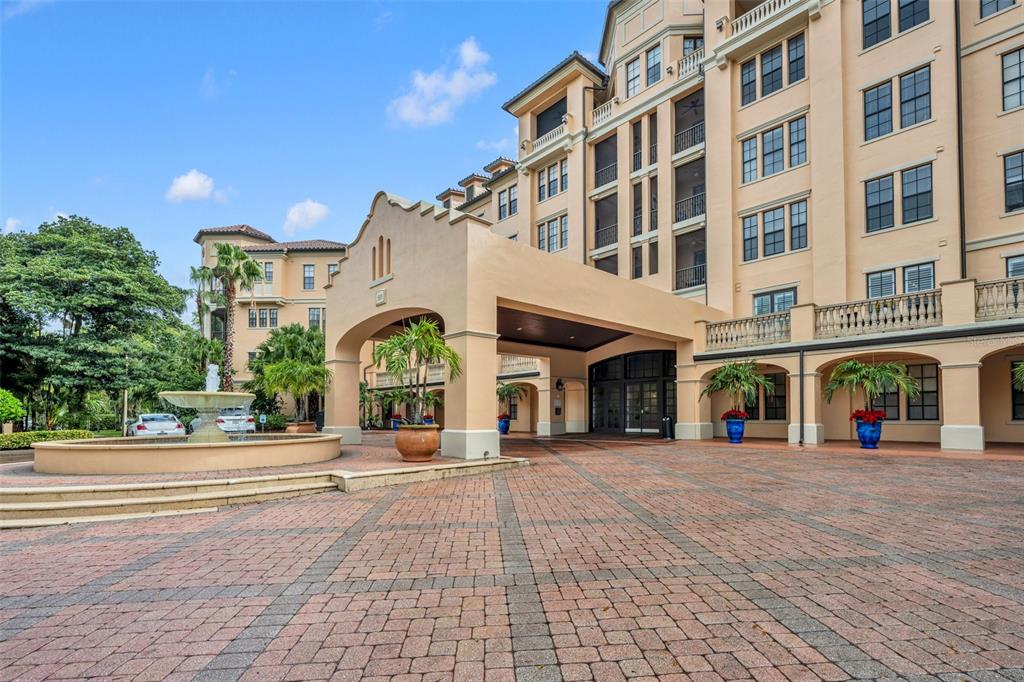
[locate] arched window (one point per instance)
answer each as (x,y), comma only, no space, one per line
(373,263)
(380,257)
(387,265)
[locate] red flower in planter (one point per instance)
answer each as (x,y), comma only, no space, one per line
(504,415)
(428,416)
(397,416)
(867,416)
(735,414)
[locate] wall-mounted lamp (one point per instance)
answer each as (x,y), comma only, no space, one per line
(559,385)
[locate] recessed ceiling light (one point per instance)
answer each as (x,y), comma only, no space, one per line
(519,329)
(571,338)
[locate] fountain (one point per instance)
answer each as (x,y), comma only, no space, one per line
(208,448)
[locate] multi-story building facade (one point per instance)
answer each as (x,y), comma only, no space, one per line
(823,179)
(291,290)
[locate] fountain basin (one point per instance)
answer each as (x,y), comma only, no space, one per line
(174,454)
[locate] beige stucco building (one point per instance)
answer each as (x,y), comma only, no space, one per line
(793,181)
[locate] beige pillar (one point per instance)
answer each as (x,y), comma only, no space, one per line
(693,412)
(801,322)
(574,407)
(961,407)
(341,404)
(813,419)
(547,423)
(470,425)
(958,302)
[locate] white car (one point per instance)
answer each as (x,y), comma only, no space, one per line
(158,424)
(231,420)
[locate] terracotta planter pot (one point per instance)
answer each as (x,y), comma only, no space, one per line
(301,427)
(418,443)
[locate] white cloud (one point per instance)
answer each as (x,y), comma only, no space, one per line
(212,85)
(195,186)
(304,215)
(20,7)
(501,144)
(383,19)
(11,224)
(434,97)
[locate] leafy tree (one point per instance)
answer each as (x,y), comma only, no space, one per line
(407,354)
(299,379)
(506,392)
(10,407)
(234,271)
(870,379)
(739,380)
(293,342)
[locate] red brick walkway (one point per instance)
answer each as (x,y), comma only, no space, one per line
(600,561)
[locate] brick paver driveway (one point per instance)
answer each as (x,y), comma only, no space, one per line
(602,560)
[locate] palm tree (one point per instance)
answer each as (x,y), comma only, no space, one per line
(740,380)
(293,342)
(1018,376)
(871,379)
(506,392)
(407,355)
(202,279)
(299,379)
(234,271)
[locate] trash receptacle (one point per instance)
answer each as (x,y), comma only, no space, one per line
(668,428)
(320,420)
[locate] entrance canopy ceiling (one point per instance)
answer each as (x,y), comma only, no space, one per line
(542,330)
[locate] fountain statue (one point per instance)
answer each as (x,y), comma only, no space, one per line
(208,404)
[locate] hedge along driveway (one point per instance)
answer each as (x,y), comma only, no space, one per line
(24,439)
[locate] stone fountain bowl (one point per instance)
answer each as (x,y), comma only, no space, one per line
(208,400)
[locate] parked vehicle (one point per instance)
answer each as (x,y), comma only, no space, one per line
(163,424)
(231,420)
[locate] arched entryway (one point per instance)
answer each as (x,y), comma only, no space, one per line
(770,412)
(1002,403)
(631,393)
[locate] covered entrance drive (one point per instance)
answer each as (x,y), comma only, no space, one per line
(514,314)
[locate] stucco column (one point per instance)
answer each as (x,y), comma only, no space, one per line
(814,429)
(693,412)
(961,407)
(546,424)
(470,422)
(341,404)
(575,407)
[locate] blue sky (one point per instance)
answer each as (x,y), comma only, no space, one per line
(170,116)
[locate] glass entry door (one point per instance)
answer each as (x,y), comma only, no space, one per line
(642,413)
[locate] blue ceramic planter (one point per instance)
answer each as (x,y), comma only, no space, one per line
(394,424)
(869,434)
(503,425)
(428,421)
(734,427)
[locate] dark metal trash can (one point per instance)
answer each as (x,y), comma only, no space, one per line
(668,430)
(320,420)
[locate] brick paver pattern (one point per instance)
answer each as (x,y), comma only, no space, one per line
(603,560)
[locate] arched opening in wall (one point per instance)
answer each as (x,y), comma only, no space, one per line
(909,420)
(373,263)
(523,410)
(631,393)
(387,257)
(769,412)
(1002,402)
(380,257)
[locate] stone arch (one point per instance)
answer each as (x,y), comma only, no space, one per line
(770,415)
(1001,418)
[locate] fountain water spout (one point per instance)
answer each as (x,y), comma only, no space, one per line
(208,404)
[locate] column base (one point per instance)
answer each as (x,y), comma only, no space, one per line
(962,437)
(695,431)
(350,435)
(479,444)
(575,427)
(550,428)
(814,434)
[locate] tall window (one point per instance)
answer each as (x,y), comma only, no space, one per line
(882,284)
(652,141)
(918,277)
(912,13)
(878,111)
(992,6)
(542,184)
(638,209)
(888,401)
(268,271)
(915,97)
(502,204)
(563,168)
(750,238)
(1015,266)
(879,200)
(797,141)
(314,318)
(654,65)
(1016,395)
(252,318)
(263,317)
(775,403)
(513,408)
(1013,181)
(771,70)
(795,47)
(552,235)
(638,261)
(563,229)
(798,225)
(542,239)
(632,78)
(1013,79)
(774,301)
(331,269)
(273,317)
(748,82)
(692,44)
(750,159)
(774,231)
(308,276)
(876,22)
(652,257)
(917,193)
(772,148)
(513,200)
(553,180)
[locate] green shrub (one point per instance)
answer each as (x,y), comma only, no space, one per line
(24,439)
(276,422)
(10,407)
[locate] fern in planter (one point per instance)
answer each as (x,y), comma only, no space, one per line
(871,379)
(741,381)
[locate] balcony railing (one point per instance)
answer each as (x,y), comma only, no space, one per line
(691,63)
(690,207)
(605,175)
(763,12)
(653,153)
(516,364)
(691,137)
(548,136)
(638,224)
(638,161)
(602,113)
(606,236)
(693,276)
(259,290)
(917,310)
(654,220)
(760,330)
(999,300)
(435,372)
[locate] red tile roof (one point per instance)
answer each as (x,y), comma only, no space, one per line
(301,245)
(245,230)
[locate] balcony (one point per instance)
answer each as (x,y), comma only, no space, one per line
(549,137)
(760,330)
(602,113)
(693,276)
(638,223)
(999,300)
(762,14)
(516,364)
(653,153)
(606,236)
(878,315)
(690,207)
(638,161)
(606,175)
(691,64)
(689,138)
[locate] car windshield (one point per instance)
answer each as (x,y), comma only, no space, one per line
(233,412)
(146,418)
